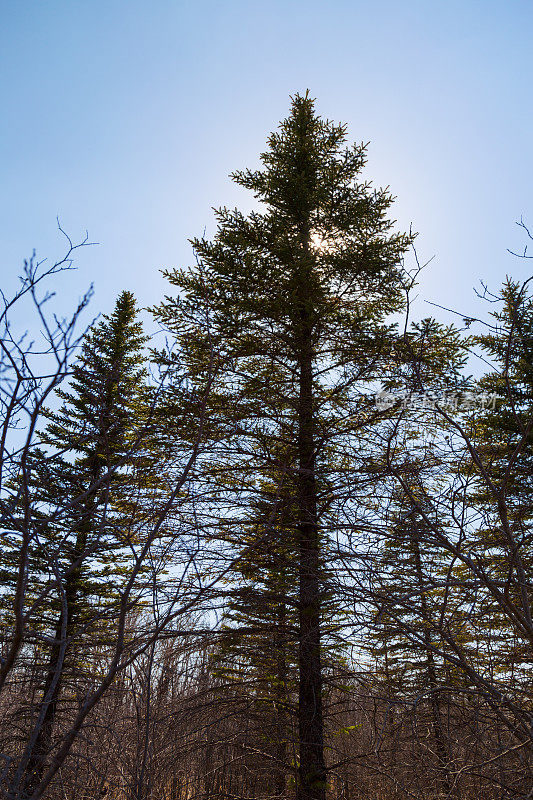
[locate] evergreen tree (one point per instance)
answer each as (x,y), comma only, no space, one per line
(410,580)
(414,590)
(257,648)
(503,434)
(506,425)
(301,292)
(84,483)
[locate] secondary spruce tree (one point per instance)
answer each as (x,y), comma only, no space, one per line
(410,574)
(504,438)
(85,483)
(256,655)
(301,291)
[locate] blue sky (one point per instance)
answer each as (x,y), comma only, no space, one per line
(125,118)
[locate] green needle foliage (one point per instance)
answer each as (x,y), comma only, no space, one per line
(96,437)
(301,292)
(85,490)
(504,437)
(507,424)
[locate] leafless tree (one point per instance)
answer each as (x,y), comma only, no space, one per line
(162,530)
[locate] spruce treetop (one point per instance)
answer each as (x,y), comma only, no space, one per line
(98,410)
(319,252)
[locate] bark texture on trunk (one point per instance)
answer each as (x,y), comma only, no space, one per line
(312,771)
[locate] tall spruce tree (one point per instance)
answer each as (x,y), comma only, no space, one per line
(84,484)
(301,292)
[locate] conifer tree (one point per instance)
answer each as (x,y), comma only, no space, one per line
(504,438)
(411,583)
(507,420)
(412,576)
(301,291)
(256,651)
(84,482)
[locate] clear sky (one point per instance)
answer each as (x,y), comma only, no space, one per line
(126,116)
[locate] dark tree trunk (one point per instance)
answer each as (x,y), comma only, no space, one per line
(312,772)
(51,691)
(56,666)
